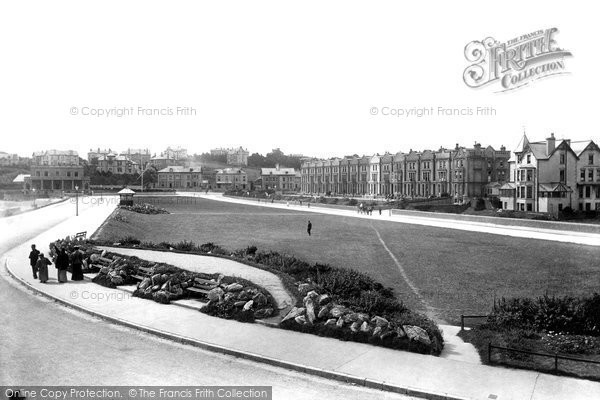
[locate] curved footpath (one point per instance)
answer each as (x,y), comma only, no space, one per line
(213,265)
(554,234)
(403,372)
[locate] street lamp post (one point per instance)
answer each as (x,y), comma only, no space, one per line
(76,201)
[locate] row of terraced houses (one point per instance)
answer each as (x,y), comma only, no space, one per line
(459,172)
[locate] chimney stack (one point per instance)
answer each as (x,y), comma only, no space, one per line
(550,144)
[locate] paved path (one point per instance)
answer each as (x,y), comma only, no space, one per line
(212,265)
(324,356)
(557,235)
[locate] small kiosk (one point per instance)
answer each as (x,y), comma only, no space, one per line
(126,197)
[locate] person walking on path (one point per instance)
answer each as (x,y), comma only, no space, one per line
(42,267)
(308,227)
(34,255)
(62,264)
(76,265)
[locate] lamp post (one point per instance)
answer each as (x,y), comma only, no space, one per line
(33,197)
(76,201)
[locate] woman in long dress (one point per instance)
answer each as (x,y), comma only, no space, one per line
(42,267)
(62,264)
(76,264)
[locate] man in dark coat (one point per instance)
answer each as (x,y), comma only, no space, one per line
(308,228)
(33,257)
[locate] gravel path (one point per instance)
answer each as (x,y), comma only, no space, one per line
(211,265)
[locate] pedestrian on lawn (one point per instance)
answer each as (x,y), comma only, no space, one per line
(379,210)
(62,264)
(34,255)
(42,267)
(308,227)
(76,265)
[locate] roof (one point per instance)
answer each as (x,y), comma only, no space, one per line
(231,171)
(126,191)
(21,178)
(508,185)
(275,171)
(580,146)
(179,169)
(554,187)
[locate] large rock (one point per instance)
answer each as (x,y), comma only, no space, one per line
(377,331)
(330,321)
(364,327)
(294,312)
(362,317)
(417,334)
(380,321)
(337,311)
(239,304)
(400,332)
(234,287)
(340,322)
(215,294)
(248,306)
(229,296)
(310,310)
(300,319)
(350,317)
(355,327)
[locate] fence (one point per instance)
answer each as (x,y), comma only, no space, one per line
(533,353)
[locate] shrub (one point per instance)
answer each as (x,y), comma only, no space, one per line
(479,204)
(352,202)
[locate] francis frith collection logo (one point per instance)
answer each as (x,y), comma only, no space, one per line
(516,62)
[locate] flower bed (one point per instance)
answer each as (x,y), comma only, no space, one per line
(331,301)
(145,209)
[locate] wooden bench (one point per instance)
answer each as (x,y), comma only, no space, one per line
(143,272)
(202,286)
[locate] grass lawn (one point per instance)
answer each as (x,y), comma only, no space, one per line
(456,272)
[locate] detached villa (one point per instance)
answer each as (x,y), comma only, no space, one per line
(551,175)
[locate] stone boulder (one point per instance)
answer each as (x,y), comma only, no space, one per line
(355,327)
(300,319)
(362,317)
(234,287)
(417,334)
(248,306)
(380,322)
(364,327)
(215,294)
(377,331)
(294,312)
(324,312)
(340,322)
(337,311)
(330,321)
(310,310)
(350,317)
(239,303)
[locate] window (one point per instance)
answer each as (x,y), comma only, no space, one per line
(588,192)
(590,175)
(562,175)
(529,192)
(76,174)
(529,175)
(582,174)
(528,158)
(45,173)
(529,207)
(68,173)
(562,158)
(590,159)
(580,191)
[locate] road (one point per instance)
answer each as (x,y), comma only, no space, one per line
(44,343)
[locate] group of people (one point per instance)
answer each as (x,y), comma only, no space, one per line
(62,259)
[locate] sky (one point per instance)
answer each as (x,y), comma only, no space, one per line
(301,76)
